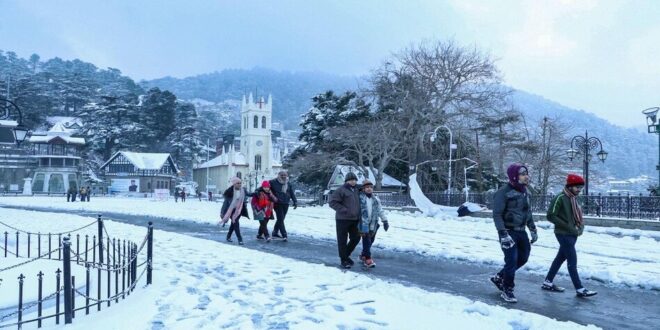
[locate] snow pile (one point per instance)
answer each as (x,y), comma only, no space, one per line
(200,284)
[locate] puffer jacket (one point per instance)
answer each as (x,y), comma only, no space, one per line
(370,223)
(346,202)
(512,210)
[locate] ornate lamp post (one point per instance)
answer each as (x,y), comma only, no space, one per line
(582,146)
(653,123)
(452,146)
(8,111)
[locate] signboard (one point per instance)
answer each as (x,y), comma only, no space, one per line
(124,185)
(161,194)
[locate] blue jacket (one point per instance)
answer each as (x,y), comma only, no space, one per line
(370,224)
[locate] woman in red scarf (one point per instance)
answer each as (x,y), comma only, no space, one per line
(263,202)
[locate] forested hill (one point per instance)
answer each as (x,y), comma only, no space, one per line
(292,92)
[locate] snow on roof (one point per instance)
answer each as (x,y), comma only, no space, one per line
(48,138)
(341,171)
(66,121)
(8,123)
(224,159)
(143,160)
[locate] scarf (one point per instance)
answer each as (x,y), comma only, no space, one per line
(234,210)
(577,211)
(284,183)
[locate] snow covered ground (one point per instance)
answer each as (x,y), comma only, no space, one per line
(611,255)
(200,284)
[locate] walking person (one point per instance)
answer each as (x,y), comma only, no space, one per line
(210,196)
(89,192)
(371,209)
(234,207)
(83,194)
(263,203)
(176,194)
(183,195)
(199,194)
(566,214)
(346,203)
(512,213)
(284,192)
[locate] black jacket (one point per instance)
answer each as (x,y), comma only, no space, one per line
(346,201)
(283,197)
(229,195)
(512,210)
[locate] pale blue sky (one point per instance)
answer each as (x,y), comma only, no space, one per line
(599,56)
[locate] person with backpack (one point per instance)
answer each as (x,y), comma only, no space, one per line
(566,214)
(512,214)
(234,207)
(371,210)
(263,203)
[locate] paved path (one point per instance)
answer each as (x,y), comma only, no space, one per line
(613,307)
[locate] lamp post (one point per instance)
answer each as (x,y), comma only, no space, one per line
(653,123)
(582,145)
(467,188)
(452,146)
(7,110)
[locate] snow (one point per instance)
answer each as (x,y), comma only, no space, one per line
(239,288)
(612,255)
(48,138)
(11,123)
(144,161)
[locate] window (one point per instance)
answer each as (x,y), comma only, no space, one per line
(245,122)
(257,162)
(56,183)
(38,184)
(56,162)
(263,122)
(256,121)
(149,185)
(44,162)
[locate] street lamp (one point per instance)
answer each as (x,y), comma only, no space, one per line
(653,123)
(452,146)
(19,131)
(467,188)
(582,145)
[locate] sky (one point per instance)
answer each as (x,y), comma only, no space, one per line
(598,56)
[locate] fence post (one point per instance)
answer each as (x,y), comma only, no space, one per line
(57,296)
(66,245)
(100,235)
(150,251)
(6,233)
(16,244)
(20,299)
(87,283)
(39,296)
(28,252)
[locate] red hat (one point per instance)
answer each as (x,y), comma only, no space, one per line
(574,180)
(265,184)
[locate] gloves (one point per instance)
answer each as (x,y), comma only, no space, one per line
(386,225)
(535,236)
(506,241)
(295,206)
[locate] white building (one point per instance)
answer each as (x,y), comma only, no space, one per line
(256,159)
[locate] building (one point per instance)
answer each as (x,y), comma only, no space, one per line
(57,158)
(255,159)
(337,179)
(15,164)
(136,172)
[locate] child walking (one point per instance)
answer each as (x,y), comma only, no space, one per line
(370,209)
(263,203)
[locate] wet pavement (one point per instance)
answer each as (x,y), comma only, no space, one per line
(614,307)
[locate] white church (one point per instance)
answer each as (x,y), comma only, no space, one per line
(256,159)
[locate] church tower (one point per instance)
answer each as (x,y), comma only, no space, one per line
(256,142)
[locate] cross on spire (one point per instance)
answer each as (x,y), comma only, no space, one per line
(261,102)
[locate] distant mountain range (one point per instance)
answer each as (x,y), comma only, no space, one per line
(632,152)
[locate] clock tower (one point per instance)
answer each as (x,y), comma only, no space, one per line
(256,142)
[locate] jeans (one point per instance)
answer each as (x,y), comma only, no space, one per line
(367,242)
(263,228)
(566,253)
(280,213)
(236,226)
(514,257)
(348,238)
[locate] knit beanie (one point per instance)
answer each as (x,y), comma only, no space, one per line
(574,180)
(265,184)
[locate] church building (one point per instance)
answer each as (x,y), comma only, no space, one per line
(255,159)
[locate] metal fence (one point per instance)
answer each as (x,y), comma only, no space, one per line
(117,259)
(617,206)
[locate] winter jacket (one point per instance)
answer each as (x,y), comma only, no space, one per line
(367,223)
(283,197)
(229,194)
(346,202)
(263,201)
(512,210)
(561,214)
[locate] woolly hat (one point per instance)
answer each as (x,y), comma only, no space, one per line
(574,180)
(265,184)
(235,180)
(350,176)
(366,183)
(512,172)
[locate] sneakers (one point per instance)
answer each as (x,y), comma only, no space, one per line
(363,258)
(350,261)
(240,243)
(260,237)
(498,281)
(369,263)
(285,239)
(508,296)
(268,240)
(345,264)
(229,240)
(549,286)
(585,293)
(276,235)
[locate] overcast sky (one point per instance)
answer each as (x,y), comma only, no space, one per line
(599,56)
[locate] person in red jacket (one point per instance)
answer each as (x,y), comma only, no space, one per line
(263,202)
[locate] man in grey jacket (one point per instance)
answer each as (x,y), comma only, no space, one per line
(346,202)
(512,213)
